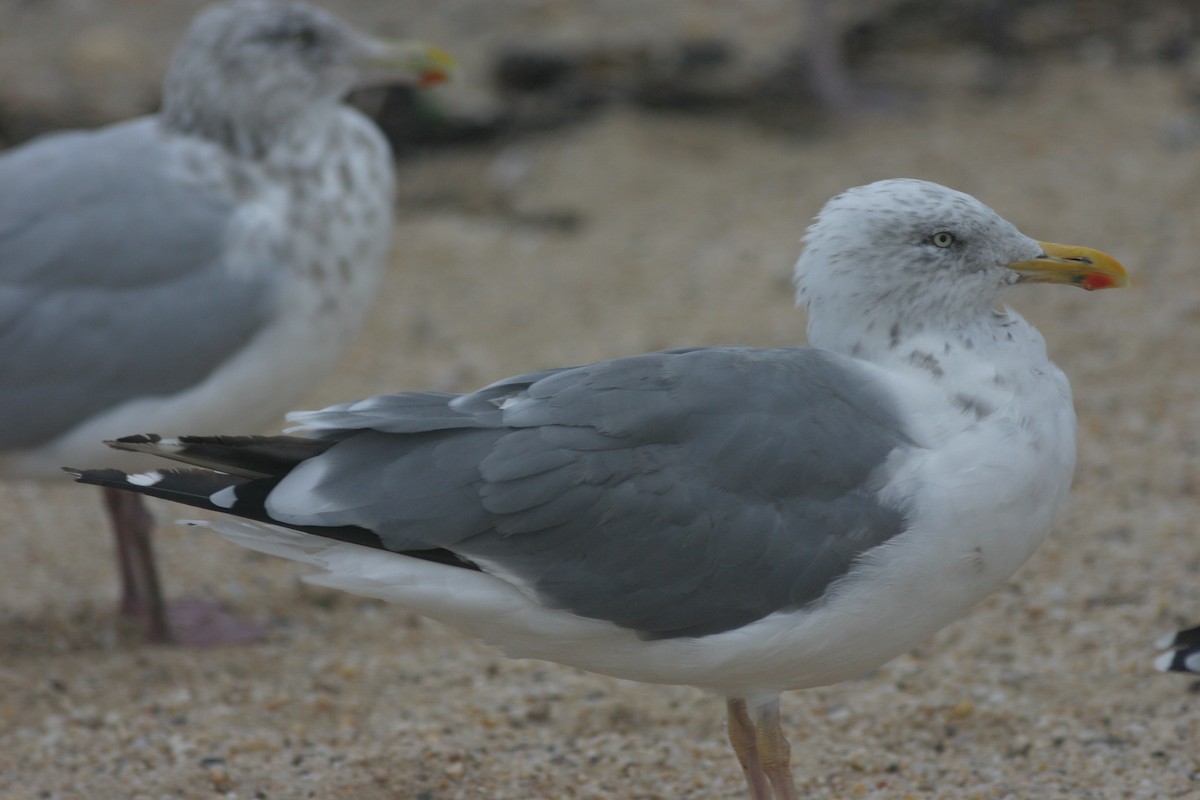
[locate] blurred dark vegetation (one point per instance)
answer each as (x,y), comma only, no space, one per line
(538,87)
(545,87)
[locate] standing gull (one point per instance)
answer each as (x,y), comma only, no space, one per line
(743,520)
(198,267)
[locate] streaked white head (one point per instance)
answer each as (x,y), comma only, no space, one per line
(248,68)
(908,253)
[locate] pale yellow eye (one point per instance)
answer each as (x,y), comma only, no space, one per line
(942,239)
(306,37)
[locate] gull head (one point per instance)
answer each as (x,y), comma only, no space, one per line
(248,68)
(910,251)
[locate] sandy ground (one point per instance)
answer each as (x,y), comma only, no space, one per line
(688,229)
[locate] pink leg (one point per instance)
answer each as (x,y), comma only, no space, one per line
(830,79)
(762,749)
(141,592)
(745,746)
(192,622)
(774,752)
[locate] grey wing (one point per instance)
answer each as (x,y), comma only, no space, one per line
(676,494)
(417,412)
(112,281)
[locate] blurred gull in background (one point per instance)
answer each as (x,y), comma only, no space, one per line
(198,268)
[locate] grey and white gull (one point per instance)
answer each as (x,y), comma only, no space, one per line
(198,267)
(747,521)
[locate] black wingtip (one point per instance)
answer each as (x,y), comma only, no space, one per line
(137,438)
(99,477)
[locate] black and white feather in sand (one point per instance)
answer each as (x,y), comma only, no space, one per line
(1182,651)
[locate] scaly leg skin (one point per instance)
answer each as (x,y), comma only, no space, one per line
(141,592)
(193,622)
(745,746)
(762,750)
(774,752)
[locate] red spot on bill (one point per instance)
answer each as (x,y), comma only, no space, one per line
(1098,280)
(433,77)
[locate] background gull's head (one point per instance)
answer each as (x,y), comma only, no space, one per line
(248,69)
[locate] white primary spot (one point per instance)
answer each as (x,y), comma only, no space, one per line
(224,498)
(144,478)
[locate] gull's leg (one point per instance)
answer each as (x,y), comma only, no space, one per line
(141,592)
(829,75)
(774,752)
(829,81)
(744,740)
(192,622)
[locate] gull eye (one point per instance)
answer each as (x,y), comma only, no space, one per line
(306,37)
(942,239)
